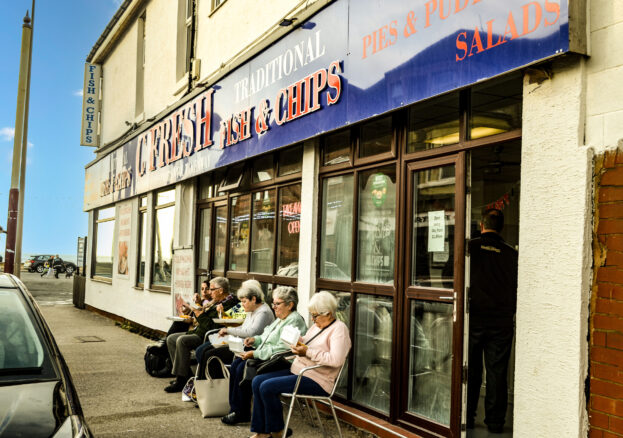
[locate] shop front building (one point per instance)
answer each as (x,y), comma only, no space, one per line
(354,153)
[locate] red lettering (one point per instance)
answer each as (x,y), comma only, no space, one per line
(367,40)
(441,9)
(294,98)
(334,81)
(140,165)
(526,17)
(203,117)
(153,149)
(320,82)
(461,44)
(279,119)
(457,6)
(477,43)
(510,28)
(245,124)
(553,8)
(430,8)
(490,44)
(393,32)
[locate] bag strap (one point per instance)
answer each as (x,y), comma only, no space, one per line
(321,330)
(223,367)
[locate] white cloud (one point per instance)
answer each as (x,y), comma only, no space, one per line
(7,133)
(31,145)
(77,93)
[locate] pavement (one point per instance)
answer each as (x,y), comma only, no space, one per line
(118,397)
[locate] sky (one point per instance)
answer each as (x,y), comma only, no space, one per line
(64,33)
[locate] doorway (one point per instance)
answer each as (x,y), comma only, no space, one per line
(493,181)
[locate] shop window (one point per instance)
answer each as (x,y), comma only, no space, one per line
(239,235)
(104,245)
(263,238)
(376,137)
(209,185)
(373,351)
(496,107)
(433,227)
(220,239)
(185,11)
(336,148)
(233,177)
(142,240)
(162,250)
(343,314)
(376,225)
(140,66)
(289,230)
(291,160)
(434,124)
(263,169)
(336,229)
(217,3)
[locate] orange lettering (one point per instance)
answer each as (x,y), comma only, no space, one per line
(526,17)
(461,45)
(554,8)
(476,42)
(429,10)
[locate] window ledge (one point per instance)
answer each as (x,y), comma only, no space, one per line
(138,288)
(160,291)
(102,280)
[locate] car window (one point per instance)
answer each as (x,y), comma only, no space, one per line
(20,345)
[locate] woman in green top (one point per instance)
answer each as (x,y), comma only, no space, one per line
(268,343)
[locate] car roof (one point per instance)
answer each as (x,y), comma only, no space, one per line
(6,281)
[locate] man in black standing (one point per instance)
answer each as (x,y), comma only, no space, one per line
(492,304)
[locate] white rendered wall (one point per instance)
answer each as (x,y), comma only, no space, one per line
(554,258)
(232,27)
(604,107)
(119,87)
(309,227)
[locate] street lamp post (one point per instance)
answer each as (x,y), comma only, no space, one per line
(19,154)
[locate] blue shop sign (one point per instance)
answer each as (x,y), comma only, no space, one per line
(351,61)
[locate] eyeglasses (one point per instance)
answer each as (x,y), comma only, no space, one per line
(215,288)
(316,315)
(277,304)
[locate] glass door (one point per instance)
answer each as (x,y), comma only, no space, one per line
(432,310)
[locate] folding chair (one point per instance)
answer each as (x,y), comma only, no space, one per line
(326,399)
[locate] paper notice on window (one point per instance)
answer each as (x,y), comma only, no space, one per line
(436,230)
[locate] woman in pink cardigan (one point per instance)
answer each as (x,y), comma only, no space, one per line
(327,343)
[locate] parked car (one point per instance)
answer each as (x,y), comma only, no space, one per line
(37,263)
(37,394)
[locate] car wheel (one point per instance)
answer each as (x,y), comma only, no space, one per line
(69,270)
(39,269)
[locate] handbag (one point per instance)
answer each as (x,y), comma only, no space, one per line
(254,367)
(213,394)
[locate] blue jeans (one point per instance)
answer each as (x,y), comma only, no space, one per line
(239,396)
(267,410)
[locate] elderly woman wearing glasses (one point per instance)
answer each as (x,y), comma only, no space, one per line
(268,343)
(326,343)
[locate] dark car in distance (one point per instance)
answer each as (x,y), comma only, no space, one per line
(37,263)
(37,394)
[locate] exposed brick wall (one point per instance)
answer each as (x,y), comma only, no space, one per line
(606,341)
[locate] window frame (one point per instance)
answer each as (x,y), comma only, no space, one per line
(277,183)
(96,223)
(154,210)
(142,232)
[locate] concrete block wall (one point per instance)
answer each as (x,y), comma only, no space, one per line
(606,335)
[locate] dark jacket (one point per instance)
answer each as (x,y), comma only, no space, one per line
(493,278)
(205,321)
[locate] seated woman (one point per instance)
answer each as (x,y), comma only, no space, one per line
(258,317)
(180,345)
(268,343)
(326,343)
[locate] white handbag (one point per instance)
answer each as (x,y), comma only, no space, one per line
(213,394)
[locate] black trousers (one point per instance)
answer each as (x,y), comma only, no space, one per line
(494,343)
(222,352)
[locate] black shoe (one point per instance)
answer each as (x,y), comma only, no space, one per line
(177,385)
(234,418)
(495,428)
(288,432)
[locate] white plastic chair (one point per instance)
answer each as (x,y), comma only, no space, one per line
(326,399)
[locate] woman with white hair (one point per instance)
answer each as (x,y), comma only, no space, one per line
(258,316)
(326,343)
(285,300)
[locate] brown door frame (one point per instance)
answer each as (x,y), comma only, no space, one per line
(409,293)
